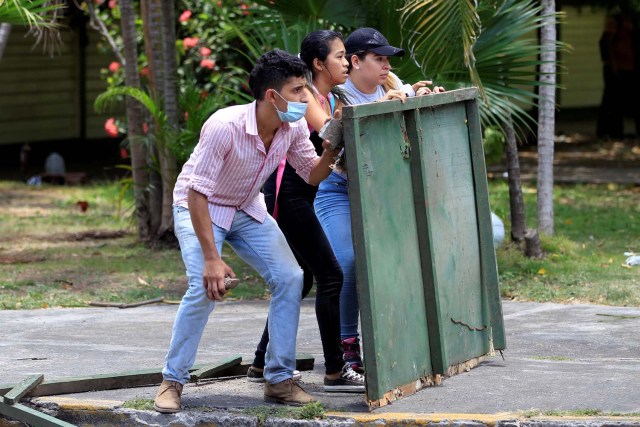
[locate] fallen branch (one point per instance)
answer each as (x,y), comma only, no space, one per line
(123,305)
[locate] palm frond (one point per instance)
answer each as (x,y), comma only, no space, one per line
(116,95)
(269,30)
(442,30)
(347,14)
(41,16)
(507,59)
(33,13)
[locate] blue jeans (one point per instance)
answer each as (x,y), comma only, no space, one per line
(299,224)
(333,211)
(264,248)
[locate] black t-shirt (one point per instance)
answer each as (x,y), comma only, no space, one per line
(292,185)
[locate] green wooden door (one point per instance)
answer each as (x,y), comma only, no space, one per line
(387,255)
(425,261)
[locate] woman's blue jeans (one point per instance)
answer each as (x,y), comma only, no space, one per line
(264,248)
(333,211)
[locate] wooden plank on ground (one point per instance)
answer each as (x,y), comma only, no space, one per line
(129,379)
(31,416)
(213,370)
(148,377)
(22,388)
(304,362)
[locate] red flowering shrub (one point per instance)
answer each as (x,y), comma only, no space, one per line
(185,16)
(111,128)
(189,42)
(208,63)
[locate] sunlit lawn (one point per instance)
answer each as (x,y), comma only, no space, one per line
(52,254)
(595,225)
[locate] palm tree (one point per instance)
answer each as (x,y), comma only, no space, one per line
(159,41)
(139,170)
(491,48)
(39,15)
(488,47)
(546,118)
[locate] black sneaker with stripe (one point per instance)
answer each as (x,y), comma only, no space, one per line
(348,382)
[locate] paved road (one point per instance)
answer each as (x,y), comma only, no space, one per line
(558,357)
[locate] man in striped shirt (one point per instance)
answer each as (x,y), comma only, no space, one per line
(217,197)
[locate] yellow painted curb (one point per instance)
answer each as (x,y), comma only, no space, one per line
(487,419)
(69,403)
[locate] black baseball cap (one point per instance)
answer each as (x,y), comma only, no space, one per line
(371,40)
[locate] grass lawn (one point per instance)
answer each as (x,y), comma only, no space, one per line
(594,225)
(53,254)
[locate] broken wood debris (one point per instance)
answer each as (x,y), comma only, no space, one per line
(22,388)
(209,371)
(31,416)
(9,406)
(140,378)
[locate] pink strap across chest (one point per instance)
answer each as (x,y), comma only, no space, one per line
(279,174)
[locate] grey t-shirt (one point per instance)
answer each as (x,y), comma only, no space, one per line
(355,97)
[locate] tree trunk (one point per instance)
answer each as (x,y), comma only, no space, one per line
(139,155)
(152,26)
(5,31)
(170,64)
(516,201)
(546,118)
(532,247)
(167,159)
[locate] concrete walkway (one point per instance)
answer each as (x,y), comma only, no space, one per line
(558,358)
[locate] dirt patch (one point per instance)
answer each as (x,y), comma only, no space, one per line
(580,160)
(578,151)
(92,235)
(20,258)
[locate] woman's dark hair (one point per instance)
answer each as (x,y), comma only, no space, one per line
(359,53)
(317,44)
(272,70)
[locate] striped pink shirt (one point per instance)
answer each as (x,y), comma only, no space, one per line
(229,164)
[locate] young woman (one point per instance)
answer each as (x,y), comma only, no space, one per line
(370,80)
(290,200)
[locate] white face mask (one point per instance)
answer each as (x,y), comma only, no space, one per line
(295,110)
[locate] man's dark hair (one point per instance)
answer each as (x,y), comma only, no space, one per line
(272,70)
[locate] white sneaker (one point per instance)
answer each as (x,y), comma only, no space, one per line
(256,376)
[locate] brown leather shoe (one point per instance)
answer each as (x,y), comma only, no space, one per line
(168,397)
(287,392)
